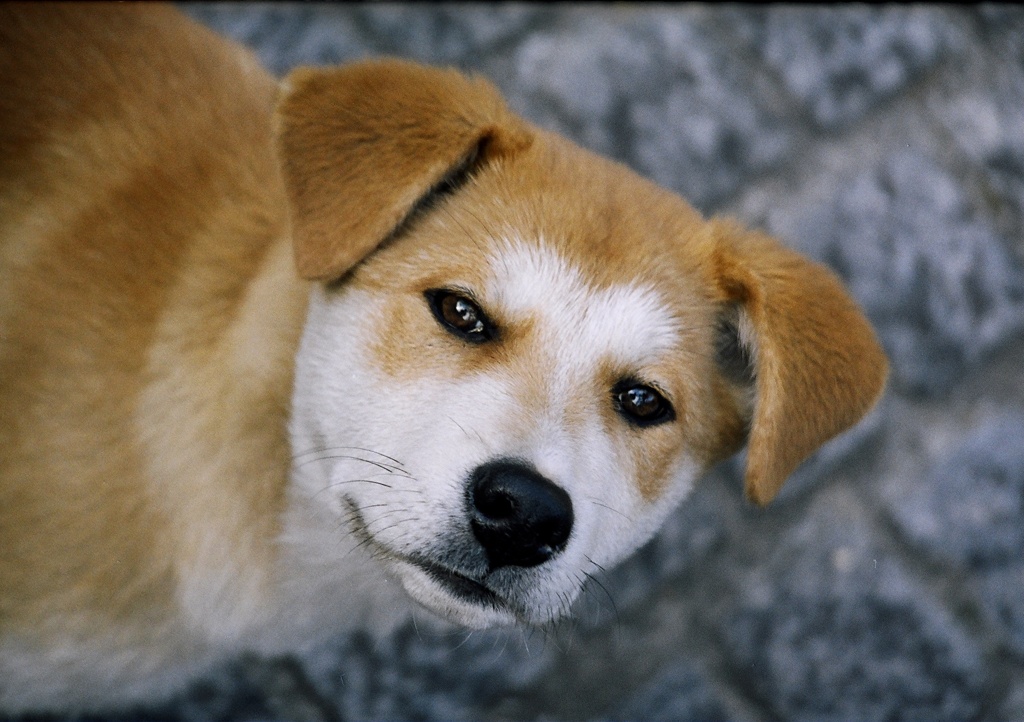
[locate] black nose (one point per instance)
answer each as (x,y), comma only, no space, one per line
(519,517)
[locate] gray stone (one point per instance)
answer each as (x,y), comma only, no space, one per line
(983,115)
(251,689)
(656,91)
(424,673)
(572,79)
(967,508)
(842,62)
(831,626)
(1003,24)
(284,37)
(1012,707)
(448,33)
(679,692)
(999,596)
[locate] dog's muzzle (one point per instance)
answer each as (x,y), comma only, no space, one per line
(519,517)
(517,521)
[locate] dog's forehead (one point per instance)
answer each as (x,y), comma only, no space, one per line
(628,321)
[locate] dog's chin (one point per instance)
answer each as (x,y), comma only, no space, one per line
(452,596)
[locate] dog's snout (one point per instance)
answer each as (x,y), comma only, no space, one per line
(518,516)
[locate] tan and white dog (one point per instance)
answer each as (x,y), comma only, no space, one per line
(271,353)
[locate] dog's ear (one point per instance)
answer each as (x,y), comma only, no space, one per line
(797,338)
(364,146)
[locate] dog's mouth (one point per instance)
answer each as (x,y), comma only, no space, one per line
(457,585)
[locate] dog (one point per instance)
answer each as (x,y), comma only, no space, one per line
(279,359)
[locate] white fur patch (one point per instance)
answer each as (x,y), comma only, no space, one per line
(630,323)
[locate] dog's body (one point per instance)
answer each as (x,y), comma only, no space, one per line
(501,363)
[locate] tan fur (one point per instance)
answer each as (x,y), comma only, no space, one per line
(135,260)
(157,222)
(387,144)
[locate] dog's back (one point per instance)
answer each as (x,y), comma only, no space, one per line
(128,139)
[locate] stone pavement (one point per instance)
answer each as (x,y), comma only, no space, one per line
(887,582)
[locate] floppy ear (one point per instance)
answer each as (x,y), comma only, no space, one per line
(817,366)
(363,146)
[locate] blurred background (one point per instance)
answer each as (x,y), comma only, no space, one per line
(887,582)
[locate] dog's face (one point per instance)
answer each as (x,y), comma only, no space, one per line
(522,356)
(501,415)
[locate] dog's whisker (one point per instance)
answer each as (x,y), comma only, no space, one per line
(551,629)
(376,477)
(387,514)
(526,632)
(395,541)
(335,484)
(320,491)
(327,454)
(470,436)
(397,494)
(601,504)
(464,640)
(365,543)
(565,617)
(373,506)
(603,572)
(396,525)
(596,565)
(354,518)
(348,457)
(371,451)
(603,588)
(371,479)
(322,449)
(460,427)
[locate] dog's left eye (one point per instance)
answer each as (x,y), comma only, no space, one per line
(640,404)
(460,315)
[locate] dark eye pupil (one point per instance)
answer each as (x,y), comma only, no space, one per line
(641,401)
(641,404)
(462,314)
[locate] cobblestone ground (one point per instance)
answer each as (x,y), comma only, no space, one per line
(888,580)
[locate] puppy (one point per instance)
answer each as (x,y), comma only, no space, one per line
(271,354)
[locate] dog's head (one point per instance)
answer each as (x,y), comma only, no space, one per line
(520,356)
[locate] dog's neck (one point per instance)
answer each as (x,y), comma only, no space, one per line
(245,363)
(321,578)
(327,582)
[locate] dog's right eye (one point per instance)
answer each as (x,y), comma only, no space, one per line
(460,315)
(641,405)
